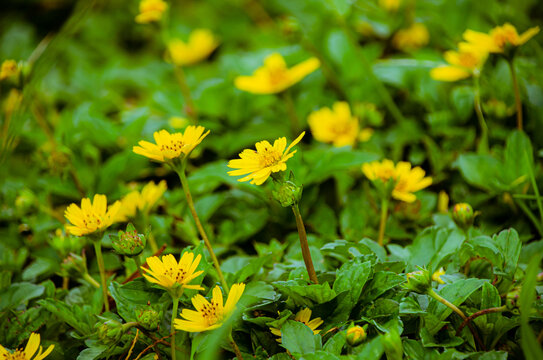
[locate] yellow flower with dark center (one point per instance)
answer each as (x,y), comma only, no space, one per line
(412,38)
(209,315)
(151,10)
(171,146)
(267,159)
(91,217)
(274,76)
(9,69)
(200,45)
(407,180)
(336,125)
(303,316)
(466,62)
(436,276)
(31,347)
(170,274)
(142,201)
(499,38)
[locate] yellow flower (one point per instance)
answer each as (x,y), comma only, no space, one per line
(436,276)
(407,180)
(274,76)
(170,146)
(209,315)
(412,38)
(151,10)
(143,201)
(390,5)
(201,44)
(258,165)
(464,63)
(31,347)
(499,38)
(9,69)
(170,274)
(336,125)
(304,317)
(91,217)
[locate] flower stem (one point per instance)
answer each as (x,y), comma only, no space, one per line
(91,280)
(175,300)
(304,245)
(236,348)
(291,111)
(190,203)
(482,147)
(185,90)
(151,238)
(65,282)
(480,313)
(102,268)
(383,221)
(138,264)
(518,101)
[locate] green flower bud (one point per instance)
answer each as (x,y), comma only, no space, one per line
(149,318)
(418,281)
(511,299)
(110,331)
(24,201)
(356,335)
(463,215)
(288,193)
(128,242)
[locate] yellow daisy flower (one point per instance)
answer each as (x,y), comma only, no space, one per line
(336,125)
(258,165)
(304,317)
(412,38)
(499,38)
(436,276)
(467,61)
(91,217)
(407,180)
(9,68)
(151,10)
(142,201)
(209,315)
(169,274)
(200,45)
(171,146)
(31,347)
(274,76)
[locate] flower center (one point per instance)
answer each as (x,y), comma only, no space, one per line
(177,274)
(269,157)
(92,221)
(468,60)
(173,149)
(212,313)
(17,355)
(277,75)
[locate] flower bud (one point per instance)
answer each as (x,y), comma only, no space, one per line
(356,335)
(418,281)
(128,242)
(511,299)
(110,331)
(436,276)
(463,215)
(149,318)
(288,193)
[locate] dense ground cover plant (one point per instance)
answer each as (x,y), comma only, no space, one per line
(151,150)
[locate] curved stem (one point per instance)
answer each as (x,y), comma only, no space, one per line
(483,141)
(185,90)
(383,221)
(479,313)
(65,282)
(236,348)
(91,280)
(102,268)
(172,328)
(518,101)
(190,203)
(304,245)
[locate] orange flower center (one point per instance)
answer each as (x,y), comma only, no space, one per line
(468,60)
(177,274)
(212,313)
(92,221)
(269,157)
(277,75)
(173,149)
(504,37)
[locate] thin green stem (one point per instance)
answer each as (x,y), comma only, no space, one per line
(304,245)
(91,280)
(383,221)
(480,313)
(291,111)
(518,101)
(530,215)
(102,268)
(138,264)
(175,300)
(151,238)
(190,108)
(534,185)
(482,147)
(190,203)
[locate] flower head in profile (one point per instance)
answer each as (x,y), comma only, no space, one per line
(274,76)
(406,180)
(27,354)
(303,316)
(412,38)
(91,216)
(436,276)
(171,146)
(467,61)
(209,315)
(150,11)
(500,38)
(142,201)
(267,159)
(337,125)
(199,46)
(170,274)
(9,68)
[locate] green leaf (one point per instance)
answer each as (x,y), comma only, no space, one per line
(352,277)
(530,345)
(382,282)
(335,344)
(510,246)
(305,295)
(80,318)
(433,246)
(19,293)
(371,350)
(518,157)
(133,296)
(299,339)
(482,171)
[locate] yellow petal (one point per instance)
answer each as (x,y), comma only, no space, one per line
(449,73)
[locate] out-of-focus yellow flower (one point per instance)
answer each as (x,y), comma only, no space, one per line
(9,68)
(336,125)
(258,165)
(436,276)
(170,146)
(200,45)
(31,347)
(407,180)
(443,202)
(390,5)
(178,122)
(142,201)
(355,335)
(274,76)
(91,217)
(466,62)
(499,38)
(412,38)
(12,101)
(170,274)
(209,315)
(151,10)
(303,316)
